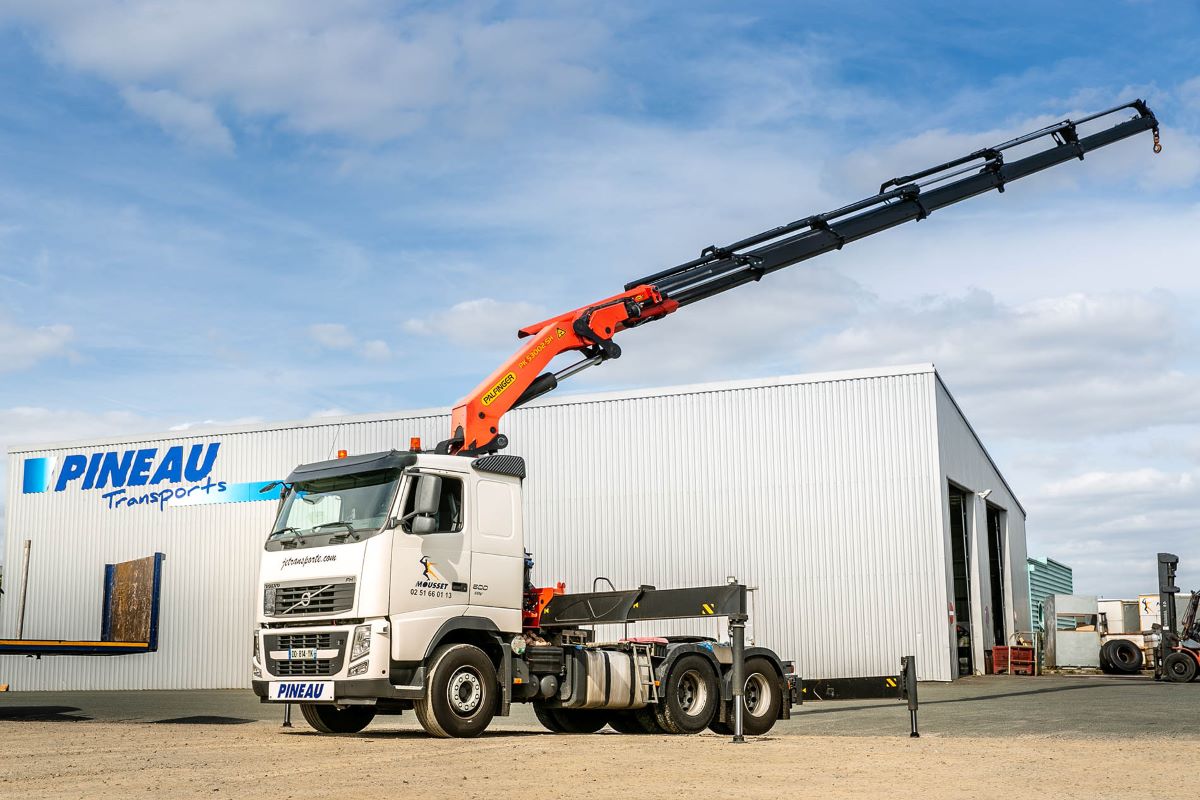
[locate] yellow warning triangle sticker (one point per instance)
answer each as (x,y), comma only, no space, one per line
(561,333)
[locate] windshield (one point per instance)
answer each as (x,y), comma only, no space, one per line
(348,506)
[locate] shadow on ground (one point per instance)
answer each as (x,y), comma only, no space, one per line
(41,714)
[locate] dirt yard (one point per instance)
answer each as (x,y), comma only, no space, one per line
(134,759)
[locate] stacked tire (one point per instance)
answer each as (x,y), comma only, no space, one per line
(1120,657)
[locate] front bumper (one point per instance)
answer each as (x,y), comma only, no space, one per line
(332,644)
(356,691)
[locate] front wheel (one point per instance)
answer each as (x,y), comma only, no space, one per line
(460,693)
(331,719)
(1179,667)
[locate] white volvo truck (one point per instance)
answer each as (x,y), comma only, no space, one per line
(400,580)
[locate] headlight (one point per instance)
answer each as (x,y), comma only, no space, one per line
(256,645)
(269,600)
(362,642)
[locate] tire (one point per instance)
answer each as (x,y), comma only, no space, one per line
(548,718)
(331,719)
(626,722)
(461,693)
(580,720)
(1179,667)
(690,697)
(1122,657)
(762,701)
(647,719)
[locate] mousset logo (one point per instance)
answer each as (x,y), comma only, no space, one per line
(180,475)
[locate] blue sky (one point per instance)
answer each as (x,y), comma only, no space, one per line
(232,212)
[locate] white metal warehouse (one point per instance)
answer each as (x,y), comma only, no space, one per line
(861,505)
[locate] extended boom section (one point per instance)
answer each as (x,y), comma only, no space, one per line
(475,423)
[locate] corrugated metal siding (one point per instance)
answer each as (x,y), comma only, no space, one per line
(965,462)
(1046,578)
(824,492)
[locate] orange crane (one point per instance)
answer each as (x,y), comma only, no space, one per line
(589,330)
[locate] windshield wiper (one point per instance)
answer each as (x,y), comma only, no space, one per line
(341,522)
(294,531)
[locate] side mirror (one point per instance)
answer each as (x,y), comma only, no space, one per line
(429,492)
(422,525)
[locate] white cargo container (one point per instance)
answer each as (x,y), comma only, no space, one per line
(861,505)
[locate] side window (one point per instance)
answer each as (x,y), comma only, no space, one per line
(449,516)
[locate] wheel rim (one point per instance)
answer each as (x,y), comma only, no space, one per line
(756,694)
(465,691)
(692,693)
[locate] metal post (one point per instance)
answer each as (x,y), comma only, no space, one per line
(287,715)
(737,630)
(24,589)
(908,671)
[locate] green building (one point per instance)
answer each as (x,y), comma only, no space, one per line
(1046,578)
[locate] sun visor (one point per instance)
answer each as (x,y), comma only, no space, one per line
(373,462)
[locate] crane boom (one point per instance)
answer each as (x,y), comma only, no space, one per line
(589,330)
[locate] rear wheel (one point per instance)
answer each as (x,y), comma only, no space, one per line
(331,719)
(761,702)
(548,718)
(571,720)
(460,696)
(691,695)
(626,722)
(647,719)
(1179,667)
(581,720)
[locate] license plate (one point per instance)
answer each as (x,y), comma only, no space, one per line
(302,691)
(302,654)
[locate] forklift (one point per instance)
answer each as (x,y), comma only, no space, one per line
(1177,656)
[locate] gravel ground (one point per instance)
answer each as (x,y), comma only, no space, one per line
(981,737)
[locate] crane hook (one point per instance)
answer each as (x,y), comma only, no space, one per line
(1157,144)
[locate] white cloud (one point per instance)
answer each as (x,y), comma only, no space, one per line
(1081,364)
(1109,524)
(357,69)
(21,347)
(336,336)
(1144,482)
(192,427)
(1189,94)
(481,323)
(191,121)
(375,350)
(332,335)
(328,412)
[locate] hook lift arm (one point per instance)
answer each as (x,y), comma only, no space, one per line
(589,330)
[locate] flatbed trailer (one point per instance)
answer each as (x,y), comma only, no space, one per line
(128,619)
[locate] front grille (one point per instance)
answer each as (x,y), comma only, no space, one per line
(316,598)
(280,643)
(294,641)
(293,669)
